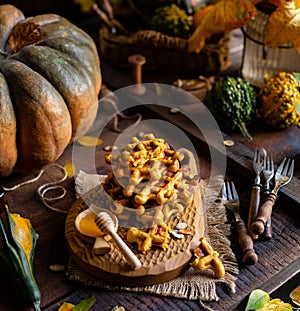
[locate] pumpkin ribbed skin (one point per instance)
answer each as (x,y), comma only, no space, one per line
(69,81)
(49,90)
(8,127)
(44,123)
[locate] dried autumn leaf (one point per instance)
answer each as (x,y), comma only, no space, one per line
(257,299)
(284,26)
(226,15)
(24,34)
(295,296)
(71,169)
(89,141)
(66,306)
(83,305)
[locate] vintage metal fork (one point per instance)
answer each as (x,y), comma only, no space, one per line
(283,176)
(268,174)
(231,201)
(258,164)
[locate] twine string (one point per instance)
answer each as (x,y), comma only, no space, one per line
(115,107)
(49,186)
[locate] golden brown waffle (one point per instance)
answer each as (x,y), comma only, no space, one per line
(148,174)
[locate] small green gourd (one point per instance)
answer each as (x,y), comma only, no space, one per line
(17,248)
(232,102)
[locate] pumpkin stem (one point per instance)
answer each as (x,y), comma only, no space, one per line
(3,54)
(244,130)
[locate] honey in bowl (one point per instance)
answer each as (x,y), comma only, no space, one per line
(88,226)
(85,222)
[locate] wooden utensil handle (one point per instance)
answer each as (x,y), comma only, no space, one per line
(268,232)
(246,244)
(264,213)
(253,209)
(126,251)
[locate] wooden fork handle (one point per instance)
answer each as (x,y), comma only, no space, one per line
(246,244)
(264,213)
(253,209)
(268,232)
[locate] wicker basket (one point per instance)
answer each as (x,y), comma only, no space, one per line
(165,53)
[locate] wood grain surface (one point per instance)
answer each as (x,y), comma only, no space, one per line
(158,265)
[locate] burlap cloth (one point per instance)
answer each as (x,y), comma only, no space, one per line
(192,284)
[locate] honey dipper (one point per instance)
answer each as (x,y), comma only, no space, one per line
(106,225)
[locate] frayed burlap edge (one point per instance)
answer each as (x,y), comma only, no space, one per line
(192,284)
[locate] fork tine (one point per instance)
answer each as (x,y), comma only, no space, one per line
(224,193)
(234,192)
(264,154)
(267,162)
(255,154)
(286,166)
(229,194)
(291,170)
(280,167)
(272,163)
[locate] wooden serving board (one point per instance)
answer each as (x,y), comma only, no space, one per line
(157,266)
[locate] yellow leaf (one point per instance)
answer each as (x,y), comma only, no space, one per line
(295,296)
(66,306)
(225,15)
(284,26)
(85,5)
(71,169)
(89,141)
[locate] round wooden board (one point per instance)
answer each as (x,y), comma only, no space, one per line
(157,266)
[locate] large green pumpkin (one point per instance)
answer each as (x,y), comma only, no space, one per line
(50,79)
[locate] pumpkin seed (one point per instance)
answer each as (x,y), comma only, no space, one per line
(176,235)
(181,225)
(174,110)
(228,142)
(57,268)
(89,141)
(107,148)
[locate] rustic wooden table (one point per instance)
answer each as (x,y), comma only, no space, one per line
(279,257)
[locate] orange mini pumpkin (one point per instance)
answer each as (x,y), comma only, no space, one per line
(279,100)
